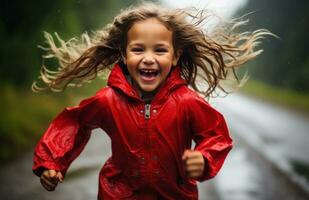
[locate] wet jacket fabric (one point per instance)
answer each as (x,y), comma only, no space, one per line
(148,140)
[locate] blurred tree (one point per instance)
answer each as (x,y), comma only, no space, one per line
(285,61)
(22,24)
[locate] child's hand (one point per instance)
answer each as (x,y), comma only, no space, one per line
(194,163)
(50,178)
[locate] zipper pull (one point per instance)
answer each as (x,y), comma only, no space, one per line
(147,111)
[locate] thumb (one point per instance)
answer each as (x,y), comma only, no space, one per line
(52,174)
(186,154)
(60,177)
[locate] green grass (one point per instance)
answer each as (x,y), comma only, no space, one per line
(280,96)
(26,115)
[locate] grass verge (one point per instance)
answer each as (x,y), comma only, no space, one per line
(276,95)
(26,115)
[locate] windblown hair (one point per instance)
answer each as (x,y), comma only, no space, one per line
(209,55)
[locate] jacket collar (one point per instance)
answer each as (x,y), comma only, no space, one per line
(118,81)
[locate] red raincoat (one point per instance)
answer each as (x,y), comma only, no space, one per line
(148,140)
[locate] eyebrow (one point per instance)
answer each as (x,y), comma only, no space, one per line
(136,44)
(160,44)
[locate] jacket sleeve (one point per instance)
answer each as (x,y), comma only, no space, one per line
(211,135)
(66,136)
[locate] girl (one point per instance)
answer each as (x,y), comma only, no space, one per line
(147,108)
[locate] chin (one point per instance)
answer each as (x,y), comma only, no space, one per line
(148,89)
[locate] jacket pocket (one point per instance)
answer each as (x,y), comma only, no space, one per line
(113,183)
(188,185)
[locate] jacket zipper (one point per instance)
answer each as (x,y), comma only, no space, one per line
(147,111)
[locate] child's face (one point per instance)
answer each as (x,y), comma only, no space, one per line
(150,54)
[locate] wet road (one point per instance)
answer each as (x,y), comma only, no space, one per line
(268,141)
(247,174)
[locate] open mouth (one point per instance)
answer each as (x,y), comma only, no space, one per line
(148,73)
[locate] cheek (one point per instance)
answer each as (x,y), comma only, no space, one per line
(166,71)
(130,65)
(133,58)
(164,59)
(130,68)
(169,59)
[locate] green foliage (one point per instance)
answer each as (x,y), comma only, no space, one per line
(285,62)
(22,24)
(25,115)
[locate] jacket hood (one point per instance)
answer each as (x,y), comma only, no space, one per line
(118,80)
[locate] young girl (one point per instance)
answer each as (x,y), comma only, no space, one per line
(147,108)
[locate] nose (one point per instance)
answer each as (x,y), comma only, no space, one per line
(148,59)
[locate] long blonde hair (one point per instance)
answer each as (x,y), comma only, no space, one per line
(208,55)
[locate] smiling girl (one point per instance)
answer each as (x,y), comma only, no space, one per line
(147,108)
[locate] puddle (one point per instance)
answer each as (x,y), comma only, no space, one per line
(239,179)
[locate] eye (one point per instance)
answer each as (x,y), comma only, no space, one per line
(137,49)
(161,50)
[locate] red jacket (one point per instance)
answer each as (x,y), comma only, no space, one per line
(147,140)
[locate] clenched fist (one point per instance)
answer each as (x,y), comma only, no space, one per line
(50,178)
(194,163)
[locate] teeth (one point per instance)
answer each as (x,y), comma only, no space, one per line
(148,71)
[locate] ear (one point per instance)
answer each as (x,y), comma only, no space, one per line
(176,57)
